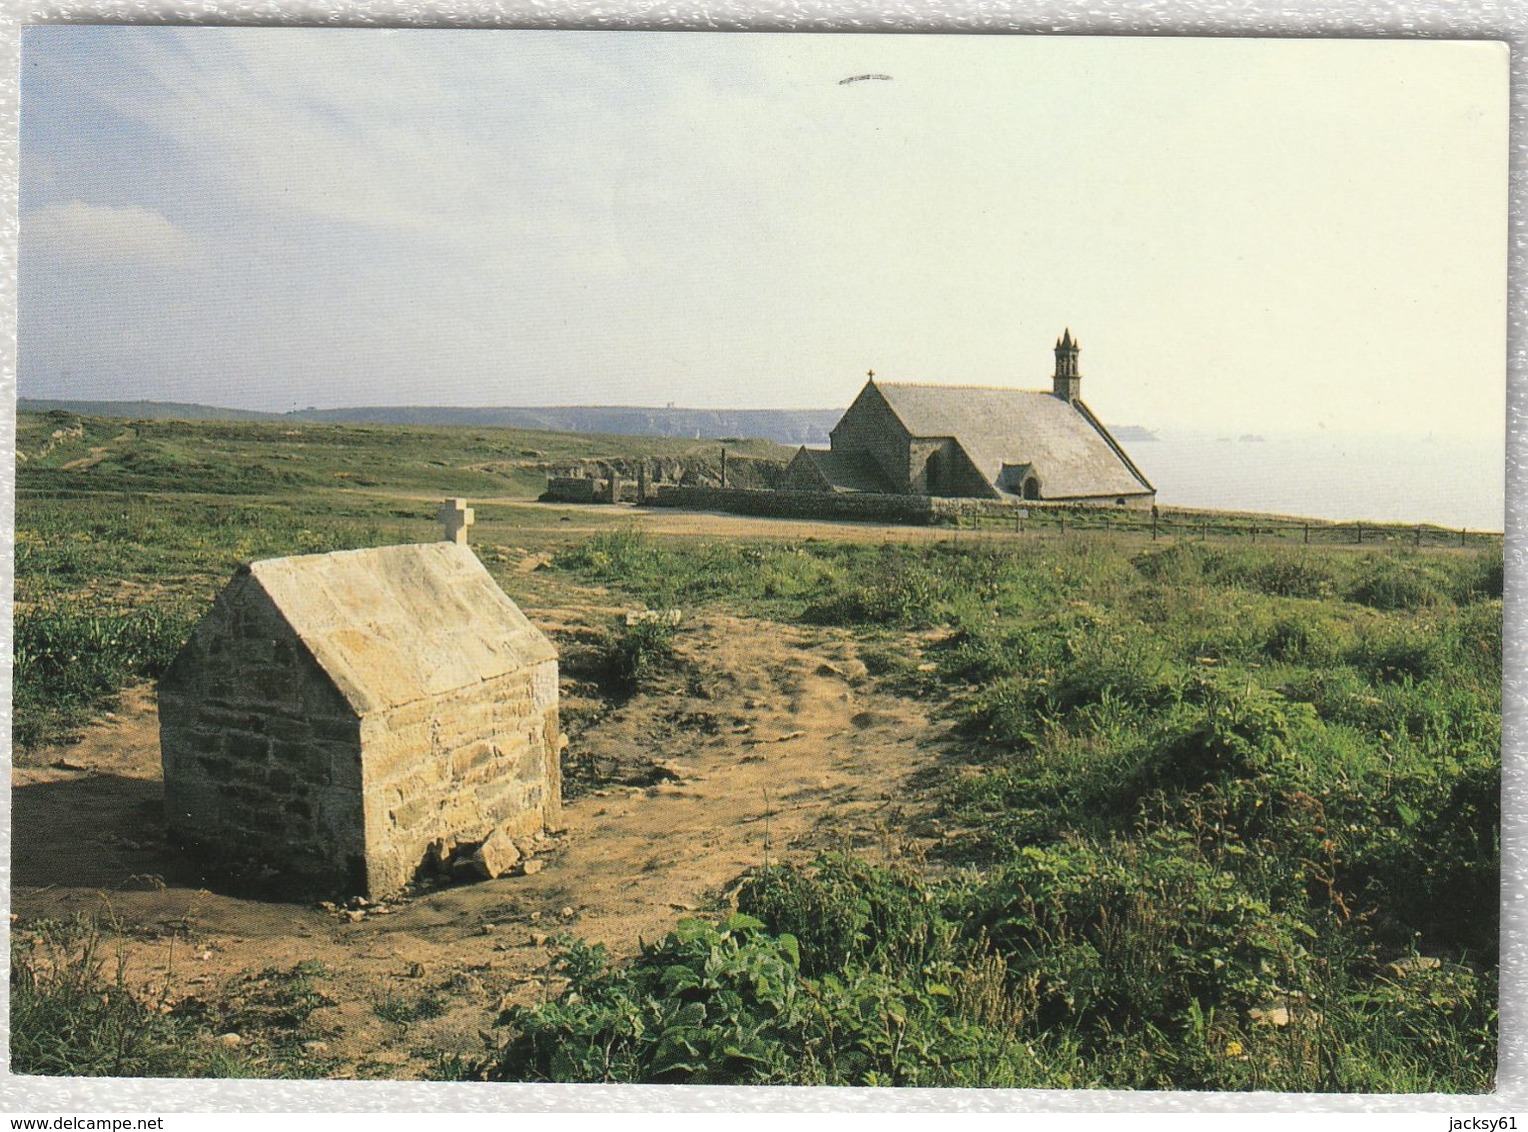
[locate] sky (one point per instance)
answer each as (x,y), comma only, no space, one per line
(1244,235)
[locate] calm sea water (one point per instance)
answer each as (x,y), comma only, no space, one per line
(1448,481)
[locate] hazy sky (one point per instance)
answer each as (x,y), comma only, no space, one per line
(1244,234)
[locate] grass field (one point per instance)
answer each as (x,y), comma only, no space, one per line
(126,530)
(1226,816)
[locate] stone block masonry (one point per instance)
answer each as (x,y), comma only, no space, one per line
(333,716)
(492,765)
(588,489)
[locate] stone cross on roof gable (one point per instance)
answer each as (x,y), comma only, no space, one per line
(457,517)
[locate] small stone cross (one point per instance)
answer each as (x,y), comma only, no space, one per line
(457,517)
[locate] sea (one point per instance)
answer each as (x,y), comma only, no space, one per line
(1450,481)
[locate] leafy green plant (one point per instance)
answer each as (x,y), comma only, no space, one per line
(844,911)
(700,1006)
(633,653)
(728,1004)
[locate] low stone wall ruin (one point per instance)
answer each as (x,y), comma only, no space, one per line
(587,489)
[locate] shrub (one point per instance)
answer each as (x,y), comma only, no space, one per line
(704,1005)
(1277,572)
(728,1004)
(1408,653)
(1433,861)
(1132,935)
(1299,639)
(844,911)
(1292,574)
(633,653)
(1177,564)
(1037,676)
(1480,580)
(611,555)
(402,1011)
(1236,732)
(1472,641)
(1398,583)
(1101,659)
(900,589)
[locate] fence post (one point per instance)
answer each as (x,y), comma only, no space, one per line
(1153,524)
(1360,528)
(1204,530)
(1254,532)
(1063,526)
(1461,536)
(1419,534)
(1305,531)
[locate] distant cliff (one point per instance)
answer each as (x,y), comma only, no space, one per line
(142,410)
(783,426)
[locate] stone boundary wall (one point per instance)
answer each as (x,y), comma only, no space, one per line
(571,489)
(1007,509)
(587,489)
(917,510)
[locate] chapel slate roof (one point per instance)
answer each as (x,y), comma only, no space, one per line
(1068,448)
(850,471)
(394,624)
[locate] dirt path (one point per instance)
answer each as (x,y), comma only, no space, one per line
(769,741)
(585,518)
(97,454)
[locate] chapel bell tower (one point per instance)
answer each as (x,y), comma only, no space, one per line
(1067,382)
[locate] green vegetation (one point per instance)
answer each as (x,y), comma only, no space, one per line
(1191,525)
(126,530)
(74,1014)
(108,586)
(402,1011)
(69,661)
(1217,815)
(729,1003)
(1230,821)
(636,651)
(275,458)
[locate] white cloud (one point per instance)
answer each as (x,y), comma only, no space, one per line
(436,136)
(1246,232)
(74,233)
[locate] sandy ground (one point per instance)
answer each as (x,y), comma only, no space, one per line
(584,519)
(768,742)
